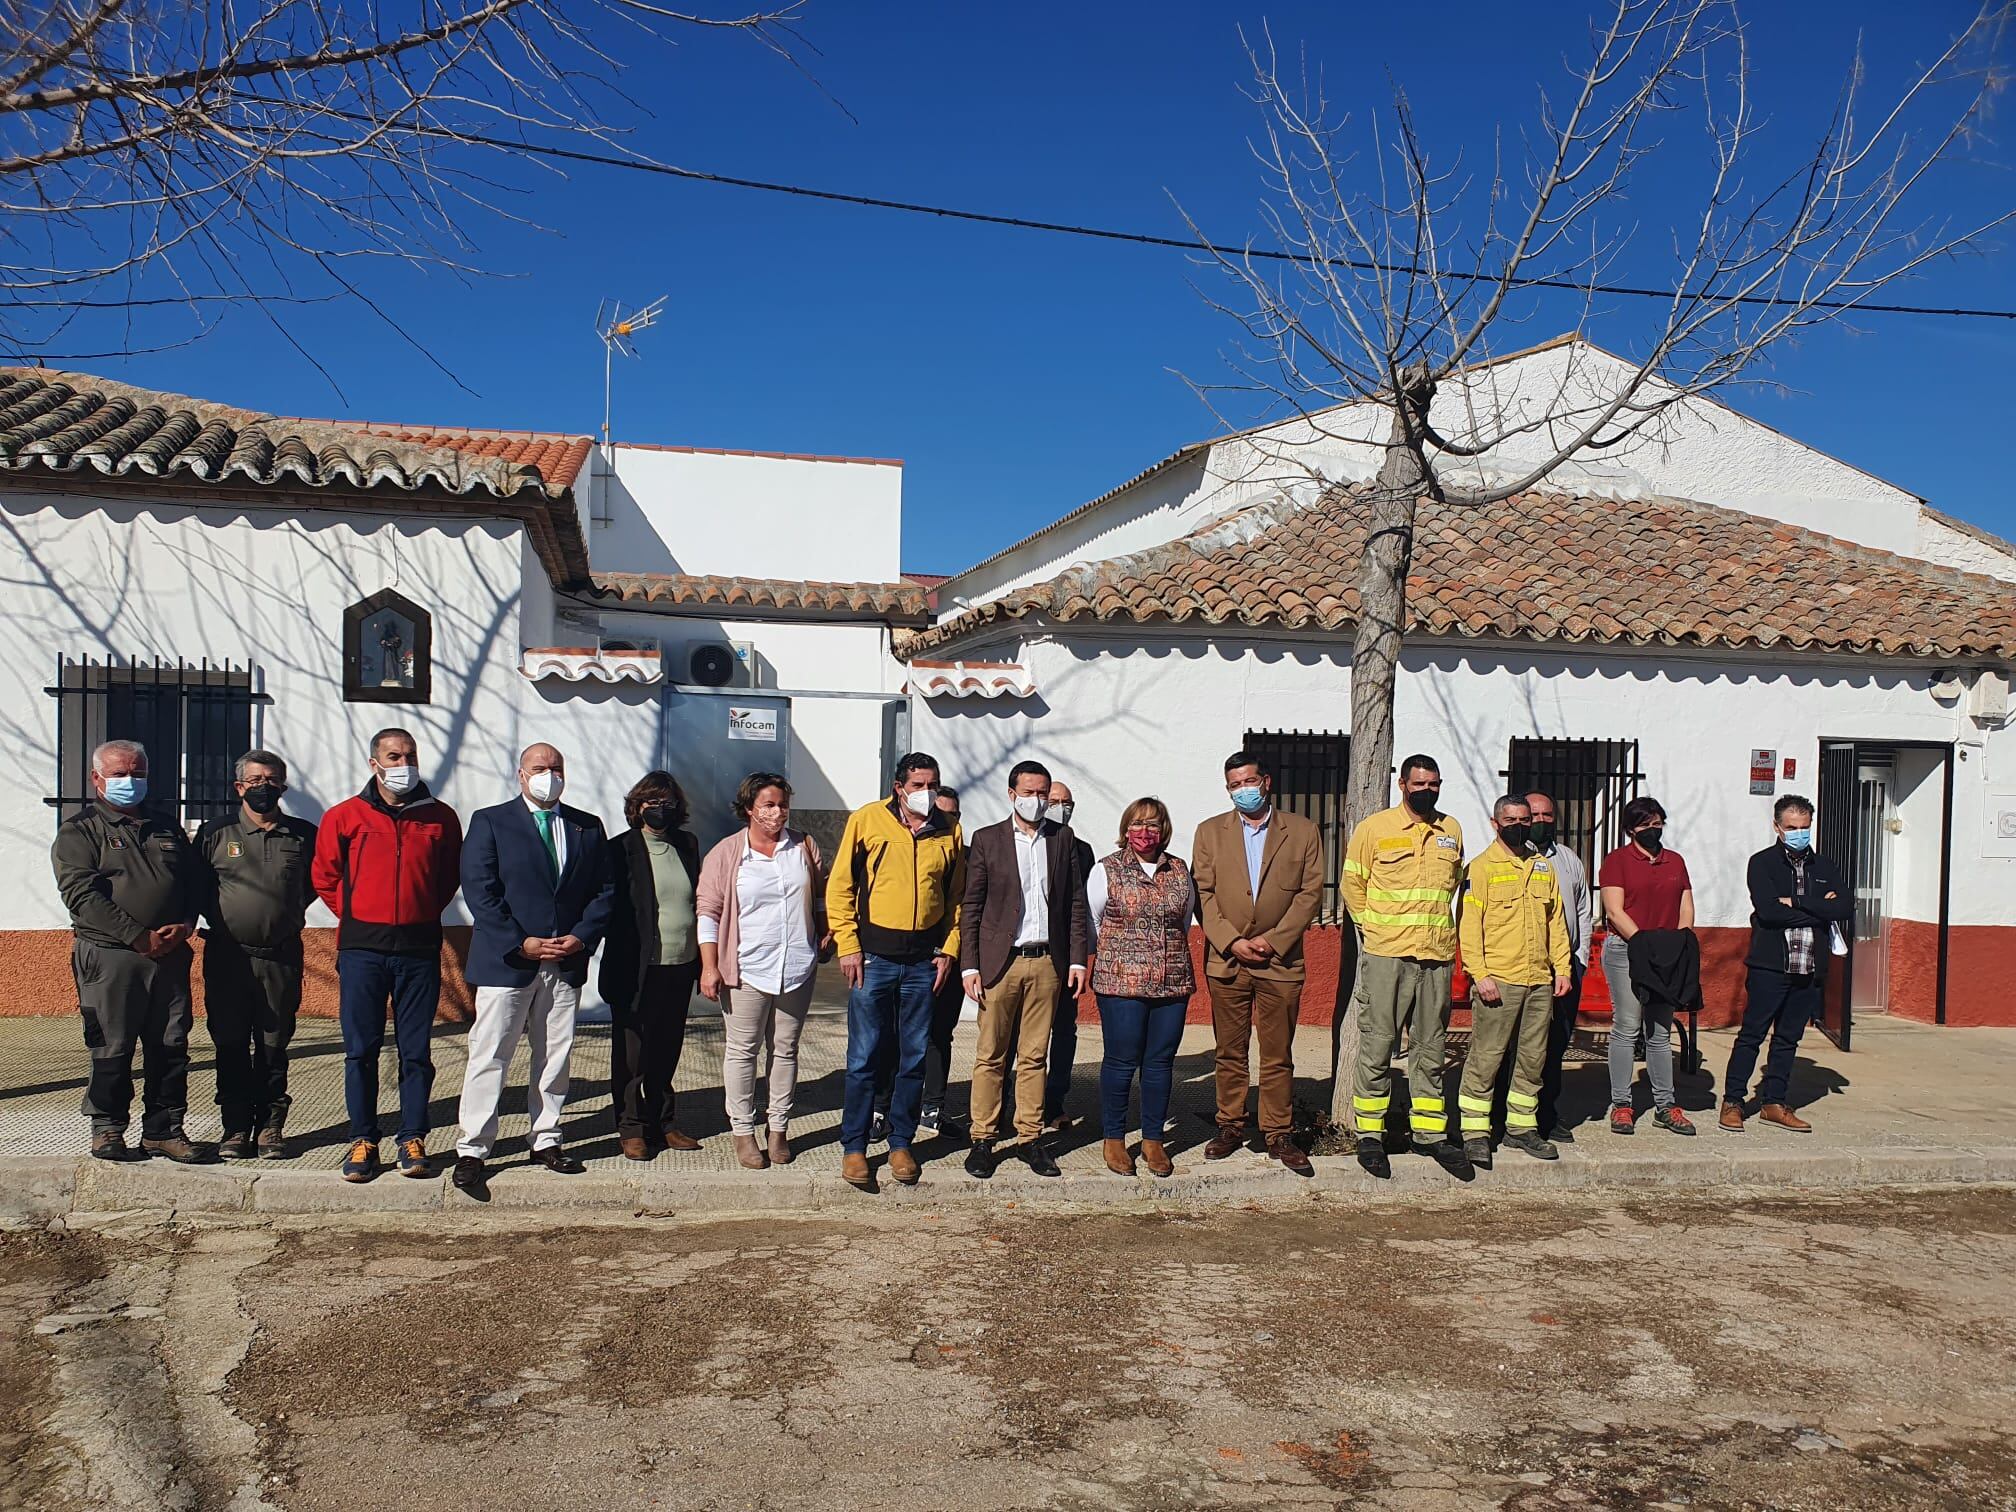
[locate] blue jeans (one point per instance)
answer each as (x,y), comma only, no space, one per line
(893,1002)
(1141,1035)
(1778,1005)
(366,979)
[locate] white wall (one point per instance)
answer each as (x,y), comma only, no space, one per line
(1941,543)
(1121,713)
(746,516)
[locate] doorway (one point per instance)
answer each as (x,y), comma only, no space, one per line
(1875,822)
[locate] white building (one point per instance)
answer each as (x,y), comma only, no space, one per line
(1713,616)
(207,579)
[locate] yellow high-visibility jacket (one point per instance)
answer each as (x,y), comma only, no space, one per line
(1402,876)
(894,892)
(1513,925)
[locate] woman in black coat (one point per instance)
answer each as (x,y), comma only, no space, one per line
(651,963)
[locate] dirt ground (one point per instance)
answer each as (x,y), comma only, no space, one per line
(1813,1353)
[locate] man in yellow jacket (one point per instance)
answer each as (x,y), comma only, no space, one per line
(892,898)
(1514,939)
(1402,873)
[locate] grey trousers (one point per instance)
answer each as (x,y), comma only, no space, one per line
(1628,1017)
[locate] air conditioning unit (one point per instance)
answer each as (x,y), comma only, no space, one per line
(721,664)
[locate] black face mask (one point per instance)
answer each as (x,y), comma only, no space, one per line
(262,799)
(1652,840)
(1543,833)
(1515,836)
(1422,802)
(658,817)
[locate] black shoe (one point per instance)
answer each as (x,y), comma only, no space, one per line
(981,1159)
(1372,1156)
(236,1145)
(557,1160)
(1478,1153)
(1562,1135)
(1041,1161)
(471,1176)
(1450,1157)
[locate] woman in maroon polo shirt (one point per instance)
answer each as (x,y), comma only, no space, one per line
(1645,886)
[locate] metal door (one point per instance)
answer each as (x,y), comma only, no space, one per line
(1875,780)
(1836,823)
(713,741)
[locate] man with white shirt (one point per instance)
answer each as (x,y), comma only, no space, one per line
(535,875)
(1022,940)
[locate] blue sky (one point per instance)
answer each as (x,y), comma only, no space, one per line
(1020,374)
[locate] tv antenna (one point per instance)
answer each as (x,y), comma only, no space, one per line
(617,331)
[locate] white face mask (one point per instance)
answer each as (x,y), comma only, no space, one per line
(399,779)
(545,786)
(919,801)
(1059,813)
(1029,809)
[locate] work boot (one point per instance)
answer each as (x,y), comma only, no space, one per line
(236,1145)
(1372,1156)
(1225,1142)
(1676,1121)
(903,1166)
(1732,1118)
(1478,1152)
(273,1137)
(110,1144)
(780,1148)
(175,1147)
(1529,1142)
(1156,1158)
(1449,1155)
(1784,1118)
(1562,1134)
(1118,1161)
(854,1171)
(750,1154)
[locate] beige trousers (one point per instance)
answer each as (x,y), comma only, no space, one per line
(757,1023)
(1015,1015)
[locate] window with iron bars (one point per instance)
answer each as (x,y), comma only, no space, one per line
(1590,781)
(1312,771)
(195,721)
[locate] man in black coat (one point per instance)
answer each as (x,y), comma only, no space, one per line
(1796,898)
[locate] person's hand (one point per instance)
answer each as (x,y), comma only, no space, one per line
(850,968)
(1487,989)
(1076,978)
(1787,902)
(534,948)
(826,946)
(145,944)
(710,984)
(564,946)
(1562,985)
(1242,950)
(167,937)
(1263,948)
(971,982)
(940,965)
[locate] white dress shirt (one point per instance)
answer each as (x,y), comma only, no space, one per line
(559,834)
(1032,859)
(772,951)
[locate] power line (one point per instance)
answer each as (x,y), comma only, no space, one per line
(1137,238)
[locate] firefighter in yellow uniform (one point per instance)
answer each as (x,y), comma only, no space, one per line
(1515,948)
(1402,876)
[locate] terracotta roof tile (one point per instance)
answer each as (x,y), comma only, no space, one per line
(1644,572)
(899,602)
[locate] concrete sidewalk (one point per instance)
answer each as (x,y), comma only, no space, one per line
(1911,1105)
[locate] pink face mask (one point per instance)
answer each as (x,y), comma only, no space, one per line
(1144,841)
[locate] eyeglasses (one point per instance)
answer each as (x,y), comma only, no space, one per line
(271,787)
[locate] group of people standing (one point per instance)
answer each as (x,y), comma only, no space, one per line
(1016,920)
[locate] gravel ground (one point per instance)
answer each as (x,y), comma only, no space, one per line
(1788,1352)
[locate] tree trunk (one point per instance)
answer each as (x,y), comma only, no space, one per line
(1375,663)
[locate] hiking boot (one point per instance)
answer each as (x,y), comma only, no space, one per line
(1675,1120)
(236,1145)
(361,1163)
(1784,1118)
(854,1171)
(1529,1142)
(272,1137)
(1372,1156)
(1623,1120)
(413,1158)
(1731,1120)
(903,1166)
(1449,1155)
(1156,1158)
(110,1144)
(175,1147)
(1478,1152)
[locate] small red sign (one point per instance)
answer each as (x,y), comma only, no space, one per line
(1791,767)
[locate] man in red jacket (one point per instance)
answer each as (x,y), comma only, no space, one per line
(387,862)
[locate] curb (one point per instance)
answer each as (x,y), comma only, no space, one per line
(37,1189)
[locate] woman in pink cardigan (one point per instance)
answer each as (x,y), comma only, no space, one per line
(762,931)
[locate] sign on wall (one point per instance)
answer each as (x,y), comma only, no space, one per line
(751,724)
(1764,773)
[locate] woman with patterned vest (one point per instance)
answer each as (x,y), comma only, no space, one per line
(1141,902)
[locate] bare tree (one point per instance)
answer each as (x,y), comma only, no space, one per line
(1404,275)
(200,155)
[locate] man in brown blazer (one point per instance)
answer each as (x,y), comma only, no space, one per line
(1022,940)
(1259,875)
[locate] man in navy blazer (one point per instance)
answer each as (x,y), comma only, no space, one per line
(536,877)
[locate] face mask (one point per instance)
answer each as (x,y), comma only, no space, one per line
(1515,836)
(1143,841)
(1421,803)
(1248,800)
(1028,809)
(1799,839)
(1060,813)
(125,792)
(1652,840)
(545,786)
(262,799)
(919,801)
(399,779)
(657,816)
(1543,833)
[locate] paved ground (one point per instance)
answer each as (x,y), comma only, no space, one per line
(1910,1104)
(1819,1352)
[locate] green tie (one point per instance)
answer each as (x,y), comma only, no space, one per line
(545,818)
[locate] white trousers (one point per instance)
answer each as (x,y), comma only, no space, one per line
(544,1012)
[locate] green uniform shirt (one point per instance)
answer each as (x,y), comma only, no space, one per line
(121,875)
(259,887)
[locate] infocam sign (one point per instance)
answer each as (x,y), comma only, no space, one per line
(751,724)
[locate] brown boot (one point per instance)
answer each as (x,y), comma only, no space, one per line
(854,1171)
(1156,1158)
(1784,1117)
(679,1139)
(903,1166)
(780,1148)
(635,1147)
(1732,1117)
(750,1154)
(1225,1142)
(1118,1161)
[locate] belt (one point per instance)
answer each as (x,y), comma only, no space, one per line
(1033,952)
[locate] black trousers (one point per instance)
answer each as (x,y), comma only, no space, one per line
(647,1035)
(128,1001)
(250,1004)
(946,1006)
